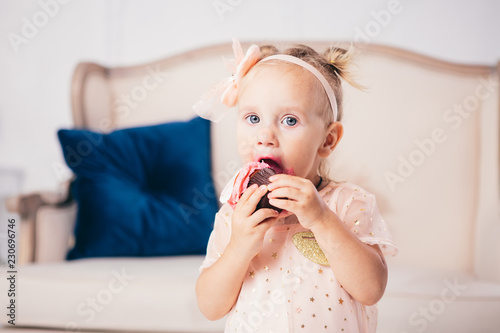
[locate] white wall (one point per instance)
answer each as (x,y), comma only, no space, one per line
(34,79)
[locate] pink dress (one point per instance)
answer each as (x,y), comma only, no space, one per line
(289,286)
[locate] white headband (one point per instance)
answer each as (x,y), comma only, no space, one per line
(226,91)
(315,72)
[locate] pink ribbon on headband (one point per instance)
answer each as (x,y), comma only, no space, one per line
(226,91)
(230,95)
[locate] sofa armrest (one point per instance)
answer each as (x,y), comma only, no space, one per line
(32,207)
(54,232)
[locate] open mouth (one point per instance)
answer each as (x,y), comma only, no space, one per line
(273,164)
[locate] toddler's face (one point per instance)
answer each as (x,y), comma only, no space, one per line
(279,119)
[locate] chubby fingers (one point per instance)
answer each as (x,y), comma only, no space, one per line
(251,197)
(285,192)
(249,200)
(289,187)
(284,180)
(265,216)
(291,192)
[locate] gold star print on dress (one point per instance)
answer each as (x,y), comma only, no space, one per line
(289,286)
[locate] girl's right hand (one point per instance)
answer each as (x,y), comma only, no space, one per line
(249,226)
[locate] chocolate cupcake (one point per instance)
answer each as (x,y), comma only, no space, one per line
(261,177)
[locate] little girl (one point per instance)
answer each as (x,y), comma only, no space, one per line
(318,265)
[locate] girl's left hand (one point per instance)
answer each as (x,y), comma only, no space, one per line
(298,196)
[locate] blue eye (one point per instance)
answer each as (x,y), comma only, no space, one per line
(289,121)
(253,119)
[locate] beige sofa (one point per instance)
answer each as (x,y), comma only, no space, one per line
(424,138)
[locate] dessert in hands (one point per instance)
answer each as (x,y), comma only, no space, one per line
(261,177)
(252,173)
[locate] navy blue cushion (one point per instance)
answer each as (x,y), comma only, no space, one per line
(144,191)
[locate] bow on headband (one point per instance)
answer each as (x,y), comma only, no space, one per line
(226,91)
(230,95)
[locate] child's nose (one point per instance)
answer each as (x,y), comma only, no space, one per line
(266,137)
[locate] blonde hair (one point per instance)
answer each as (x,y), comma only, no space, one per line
(334,64)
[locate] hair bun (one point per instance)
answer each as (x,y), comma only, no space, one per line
(340,62)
